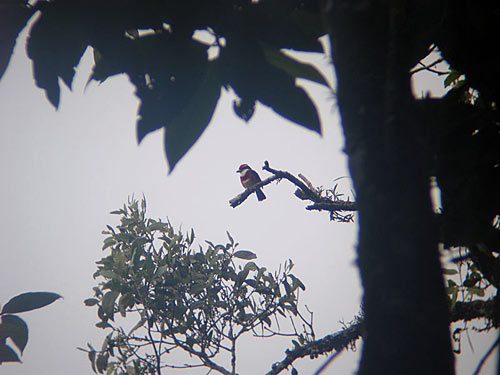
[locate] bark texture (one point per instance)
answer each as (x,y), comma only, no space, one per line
(374,43)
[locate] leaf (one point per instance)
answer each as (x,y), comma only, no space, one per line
(477,291)
(138,325)
(91,356)
(244,109)
(182,131)
(297,282)
(14,327)
(242,275)
(266,320)
(91,301)
(108,274)
(252,283)
(109,241)
(103,325)
(57,41)
(231,240)
(449,271)
(29,301)
(102,362)
(7,354)
(108,302)
(124,302)
(15,16)
(244,254)
(251,266)
(253,78)
(178,88)
(294,67)
(451,77)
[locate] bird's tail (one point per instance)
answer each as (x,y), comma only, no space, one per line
(260,195)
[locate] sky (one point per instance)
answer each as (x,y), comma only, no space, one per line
(64,171)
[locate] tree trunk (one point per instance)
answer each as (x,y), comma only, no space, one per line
(406,311)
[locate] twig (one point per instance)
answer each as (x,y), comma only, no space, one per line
(327,363)
(429,67)
(485,357)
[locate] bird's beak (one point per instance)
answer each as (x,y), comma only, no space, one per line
(238,171)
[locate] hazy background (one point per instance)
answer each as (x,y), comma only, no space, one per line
(63,172)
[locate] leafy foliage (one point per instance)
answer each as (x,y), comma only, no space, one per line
(154,44)
(465,283)
(14,327)
(197,301)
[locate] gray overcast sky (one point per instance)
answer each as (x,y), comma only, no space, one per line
(62,173)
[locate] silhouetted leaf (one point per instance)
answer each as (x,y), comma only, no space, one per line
(183,130)
(244,254)
(91,301)
(297,282)
(14,16)
(14,327)
(294,67)
(29,301)
(103,325)
(177,86)
(243,108)
(56,43)
(453,76)
(253,78)
(7,354)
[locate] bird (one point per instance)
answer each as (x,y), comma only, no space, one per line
(249,178)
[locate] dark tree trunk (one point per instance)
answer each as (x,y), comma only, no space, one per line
(405,303)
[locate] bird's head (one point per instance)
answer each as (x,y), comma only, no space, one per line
(243,167)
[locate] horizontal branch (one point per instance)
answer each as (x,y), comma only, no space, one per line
(333,206)
(336,341)
(475,310)
(240,198)
(342,339)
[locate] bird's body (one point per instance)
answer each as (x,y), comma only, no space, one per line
(249,178)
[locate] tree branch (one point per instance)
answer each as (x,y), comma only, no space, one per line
(336,341)
(340,340)
(240,198)
(333,206)
(305,191)
(486,355)
(474,310)
(429,67)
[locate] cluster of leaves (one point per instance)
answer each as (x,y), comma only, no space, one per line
(13,327)
(155,44)
(334,195)
(465,283)
(199,302)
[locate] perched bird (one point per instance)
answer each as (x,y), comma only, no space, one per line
(249,178)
